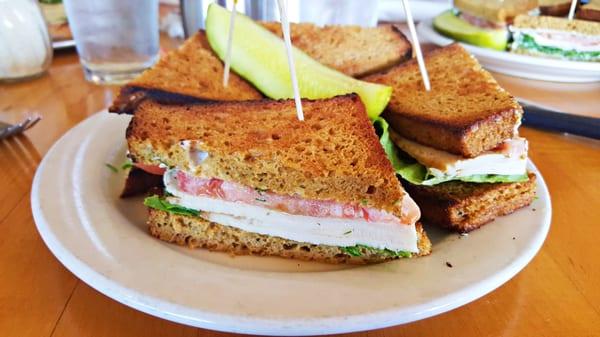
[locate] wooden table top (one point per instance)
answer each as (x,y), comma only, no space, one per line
(557,294)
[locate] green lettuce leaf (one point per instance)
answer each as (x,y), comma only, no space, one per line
(159,203)
(414,172)
(359,249)
(528,42)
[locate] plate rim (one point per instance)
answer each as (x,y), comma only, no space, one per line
(267,326)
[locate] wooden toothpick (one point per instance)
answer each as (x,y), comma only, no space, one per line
(229,45)
(285,27)
(572,9)
(416,45)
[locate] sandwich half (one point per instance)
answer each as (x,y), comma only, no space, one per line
(194,72)
(458,146)
(481,23)
(249,178)
(574,40)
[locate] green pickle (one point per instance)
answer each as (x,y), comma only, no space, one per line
(260,57)
(454,27)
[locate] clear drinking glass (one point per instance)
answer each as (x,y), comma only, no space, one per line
(116,39)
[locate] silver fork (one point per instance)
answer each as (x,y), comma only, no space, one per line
(7,130)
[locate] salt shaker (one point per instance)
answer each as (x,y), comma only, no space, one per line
(25,47)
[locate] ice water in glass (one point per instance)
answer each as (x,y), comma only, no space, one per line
(116,39)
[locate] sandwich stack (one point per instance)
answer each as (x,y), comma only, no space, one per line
(249,178)
(460,157)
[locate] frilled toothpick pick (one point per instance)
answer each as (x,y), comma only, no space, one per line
(285,27)
(229,45)
(416,45)
(572,9)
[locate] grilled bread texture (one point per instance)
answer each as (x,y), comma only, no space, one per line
(196,232)
(194,72)
(465,113)
(554,23)
(334,154)
(353,50)
(589,11)
(554,7)
(463,207)
(495,11)
(190,73)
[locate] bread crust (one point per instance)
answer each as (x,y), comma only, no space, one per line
(589,12)
(495,11)
(557,9)
(192,72)
(463,207)
(551,22)
(196,232)
(465,113)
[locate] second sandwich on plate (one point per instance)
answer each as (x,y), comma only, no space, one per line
(460,155)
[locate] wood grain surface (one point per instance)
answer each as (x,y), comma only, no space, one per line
(558,294)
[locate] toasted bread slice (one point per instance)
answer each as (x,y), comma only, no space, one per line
(334,154)
(194,73)
(353,50)
(195,232)
(464,207)
(554,23)
(495,11)
(590,11)
(188,74)
(554,7)
(465,113)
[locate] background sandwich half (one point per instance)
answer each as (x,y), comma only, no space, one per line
(574,40)
(482,23)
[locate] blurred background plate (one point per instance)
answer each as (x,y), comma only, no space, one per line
(538,68)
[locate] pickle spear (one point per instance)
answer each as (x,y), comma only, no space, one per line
(458,29)
(259,56)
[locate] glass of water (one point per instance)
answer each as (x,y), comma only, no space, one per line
(116,39)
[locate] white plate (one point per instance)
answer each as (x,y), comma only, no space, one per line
(538,68)
(104,241)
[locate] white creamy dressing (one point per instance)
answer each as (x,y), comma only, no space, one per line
(314,230)
(195,155)
(561,39)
